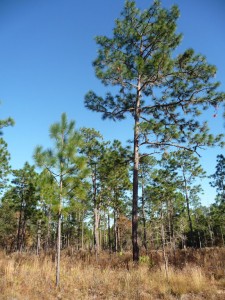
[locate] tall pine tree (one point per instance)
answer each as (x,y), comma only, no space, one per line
(164,93)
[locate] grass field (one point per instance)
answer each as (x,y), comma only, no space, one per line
(192,274)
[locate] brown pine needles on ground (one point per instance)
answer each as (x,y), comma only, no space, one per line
(199,276)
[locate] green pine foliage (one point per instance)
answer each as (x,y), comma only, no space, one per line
(173,90)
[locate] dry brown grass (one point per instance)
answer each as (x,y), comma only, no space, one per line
(25,277)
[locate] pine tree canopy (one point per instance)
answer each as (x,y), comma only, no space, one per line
(141,59)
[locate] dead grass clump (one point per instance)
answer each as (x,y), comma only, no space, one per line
(189,280)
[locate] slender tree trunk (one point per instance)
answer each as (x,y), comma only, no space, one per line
(163,244)
(79,230)
(106,230)
(96,230)
(188,207)
(58,249)
(104,240)
(115,232)
(62,233)
(205,239)
(82,231)
(58,245)
(109,232)
(18,243)
(96,213)
(211,235)
(38,237)
(170,223)
(47,243)
(23,233)
(200,241)
(144,242)
(135,176)
(119,239)
(100,238)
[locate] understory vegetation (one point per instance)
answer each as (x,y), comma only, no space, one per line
(192,274)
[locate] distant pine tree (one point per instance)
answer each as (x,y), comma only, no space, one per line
(66,166)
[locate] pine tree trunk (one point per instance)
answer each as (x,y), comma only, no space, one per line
(96,213)
(79,231)
(109,232)
(163,244)
(96,230)
(119,239)
(58,245)
(211,235)
(144,242)
(200,241)
(23,233)
(188,208)
(38,237)
(100,238)
(18,243)
(47,242)
(105,231)
(170,223)
(115,232)
(135,177)
(135,206)
(58,250)
(82,231)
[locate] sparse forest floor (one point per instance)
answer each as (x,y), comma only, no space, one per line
(192,274)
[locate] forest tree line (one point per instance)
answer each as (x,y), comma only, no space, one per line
(96,197)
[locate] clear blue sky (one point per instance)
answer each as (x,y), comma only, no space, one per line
(46,53)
